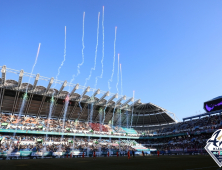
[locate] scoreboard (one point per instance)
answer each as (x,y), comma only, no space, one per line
(213,105)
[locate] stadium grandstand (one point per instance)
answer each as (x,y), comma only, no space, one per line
(116,125)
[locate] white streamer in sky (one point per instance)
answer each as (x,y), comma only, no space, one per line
(116,87)
(121,80)
(36,58)
(101,75)
(111,79)
(83,47)
(64,59)
(117,77)
(93,68)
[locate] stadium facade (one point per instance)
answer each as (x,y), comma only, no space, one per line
(39,97)
(35,135)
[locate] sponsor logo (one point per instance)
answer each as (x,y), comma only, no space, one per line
(214,147)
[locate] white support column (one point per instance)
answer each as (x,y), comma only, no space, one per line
(20,78)
(111,99)
(63,86)
(44,97)
(49,85)
(106,94)
(74,89)
(36,81)
(124,104)
(85,91)
(3,74)
(95,93)
(134,103)
(119,101)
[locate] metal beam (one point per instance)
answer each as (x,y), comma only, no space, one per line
(92,99)
(83,110)
(134,103)
(47,89)
(123,121)
(164,118)
(99,113)
(85,91)
(73,110)
(120,116)
(65,108)
(95,93)
(20,78)
(74,89)
(137,119)
(92,112)
(108,113)
(1,97)
(49,85)
(62,111)
(111,99)
(152,107)
(31,94)
(41,105)
(119,101)
(36,81)
(150,119)
(63,86)
(15,101)
(157,119)
(106,94)
(28,103)
(3,74)
(143,119)
(124,104)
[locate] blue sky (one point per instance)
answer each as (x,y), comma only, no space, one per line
(170,51)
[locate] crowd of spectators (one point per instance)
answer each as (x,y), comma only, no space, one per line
(58,144)
(207,122)
(191,138)
(29,123)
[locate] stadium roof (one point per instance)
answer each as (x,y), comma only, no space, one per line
(219,97)
(80,105)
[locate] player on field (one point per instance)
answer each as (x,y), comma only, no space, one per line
(94,154)
(128,154)
(158,153)
(143,153)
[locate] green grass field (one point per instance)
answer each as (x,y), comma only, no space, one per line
(113,163)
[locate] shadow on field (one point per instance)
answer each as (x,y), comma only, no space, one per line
(113,163)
